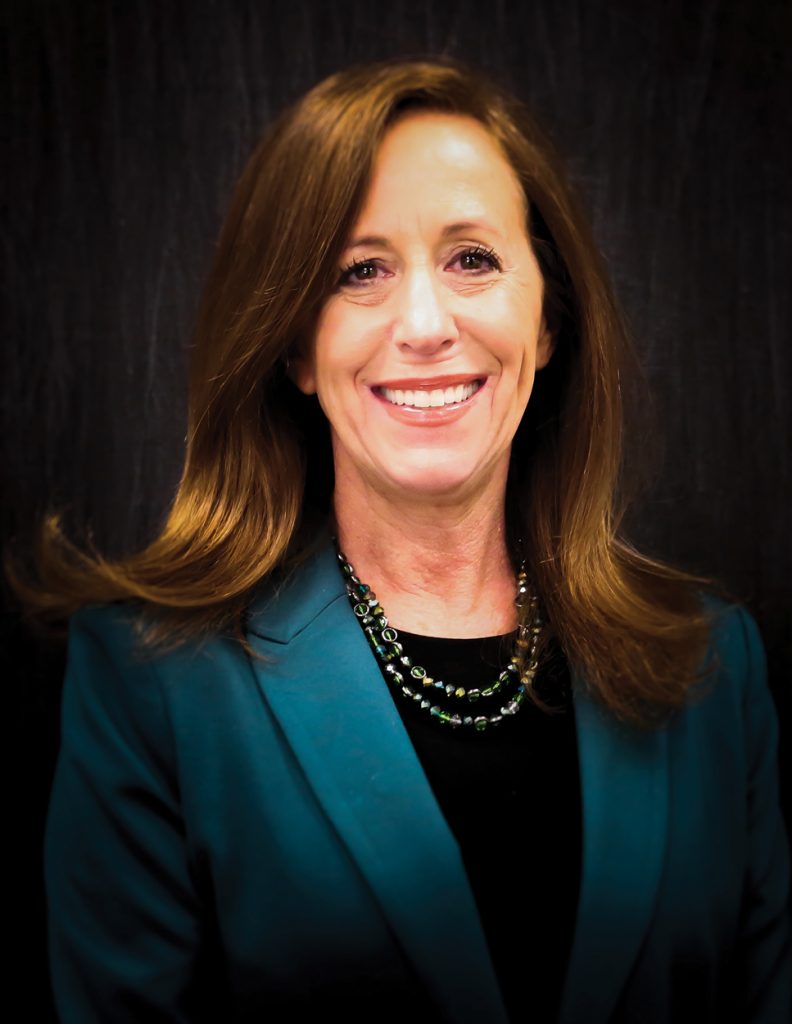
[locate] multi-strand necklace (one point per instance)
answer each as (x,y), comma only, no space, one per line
(470,707)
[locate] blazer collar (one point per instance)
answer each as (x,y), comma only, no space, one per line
(340,720)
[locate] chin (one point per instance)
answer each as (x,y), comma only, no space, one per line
(437,480)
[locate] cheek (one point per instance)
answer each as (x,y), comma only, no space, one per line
(512,342)
(511,317)
(342,343)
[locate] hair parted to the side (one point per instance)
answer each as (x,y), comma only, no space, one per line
(257,478)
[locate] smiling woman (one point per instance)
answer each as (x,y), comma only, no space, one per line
(543,783)
(429,327)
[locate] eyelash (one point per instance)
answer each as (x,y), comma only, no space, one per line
(479,251)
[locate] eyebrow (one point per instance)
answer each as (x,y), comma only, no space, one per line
(457,228)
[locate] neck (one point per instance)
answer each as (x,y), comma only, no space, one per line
(440,568)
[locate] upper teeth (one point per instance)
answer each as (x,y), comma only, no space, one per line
(431,399)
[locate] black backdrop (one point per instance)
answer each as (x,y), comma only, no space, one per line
(129,123)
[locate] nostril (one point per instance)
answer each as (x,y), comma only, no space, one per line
(426,343)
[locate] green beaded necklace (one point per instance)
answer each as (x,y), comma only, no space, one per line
(414,682)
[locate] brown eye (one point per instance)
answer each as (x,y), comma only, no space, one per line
(479,259)
(359,271)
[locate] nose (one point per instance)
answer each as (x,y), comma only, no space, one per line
(425,323)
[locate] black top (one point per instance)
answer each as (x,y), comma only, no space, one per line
(511,796)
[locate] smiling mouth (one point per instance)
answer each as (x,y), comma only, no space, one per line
(426,397)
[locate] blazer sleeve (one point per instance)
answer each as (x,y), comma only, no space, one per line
(764,955)
(124,916)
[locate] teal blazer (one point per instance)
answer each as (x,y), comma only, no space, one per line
(263,828)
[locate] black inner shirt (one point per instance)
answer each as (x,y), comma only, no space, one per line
(511,797)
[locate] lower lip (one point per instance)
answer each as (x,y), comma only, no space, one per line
(431,417)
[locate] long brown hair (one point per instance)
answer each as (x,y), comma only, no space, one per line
(257,476)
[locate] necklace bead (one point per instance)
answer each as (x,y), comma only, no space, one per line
(388,649)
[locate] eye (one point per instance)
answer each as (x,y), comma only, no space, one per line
(479,260)
(357,273)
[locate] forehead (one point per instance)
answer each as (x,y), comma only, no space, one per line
(441,167)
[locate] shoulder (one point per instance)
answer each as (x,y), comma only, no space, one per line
(167,718)
(736,654)
(104,650)
(112,671)
(734,635)
(107,633)
(733,704)
(111,691)
(114,634)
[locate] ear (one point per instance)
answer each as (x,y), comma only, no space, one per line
(301,371)
(545,345)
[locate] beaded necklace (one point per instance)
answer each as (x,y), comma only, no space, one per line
(415,683)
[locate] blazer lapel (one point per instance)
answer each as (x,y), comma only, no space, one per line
(624,780)
(340,721)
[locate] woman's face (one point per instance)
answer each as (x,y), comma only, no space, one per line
(423,358)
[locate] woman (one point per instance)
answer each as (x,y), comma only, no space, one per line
(412,731)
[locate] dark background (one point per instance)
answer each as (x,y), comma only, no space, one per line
(129,124)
